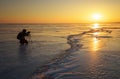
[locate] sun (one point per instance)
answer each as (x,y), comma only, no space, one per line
(97,16)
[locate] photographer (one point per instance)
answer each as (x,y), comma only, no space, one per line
(21,36)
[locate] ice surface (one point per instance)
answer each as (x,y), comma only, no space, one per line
(60,51)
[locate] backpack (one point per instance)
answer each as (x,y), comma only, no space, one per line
(19,36)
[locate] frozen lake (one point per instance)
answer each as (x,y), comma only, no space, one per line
(92,56)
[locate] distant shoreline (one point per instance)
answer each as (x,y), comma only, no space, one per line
(58,23)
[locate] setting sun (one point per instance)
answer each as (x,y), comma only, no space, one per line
(97,16)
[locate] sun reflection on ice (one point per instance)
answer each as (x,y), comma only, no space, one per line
(95,34)
(95,44)
(95,40)
(95,26)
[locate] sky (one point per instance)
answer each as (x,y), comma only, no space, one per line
(58,11)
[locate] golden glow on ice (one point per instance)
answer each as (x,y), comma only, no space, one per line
(95,26)
(95,44)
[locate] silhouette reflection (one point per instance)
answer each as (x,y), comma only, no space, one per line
(23,53)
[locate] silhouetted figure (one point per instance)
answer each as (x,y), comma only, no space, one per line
(28,33)
(28,36)
(21,37)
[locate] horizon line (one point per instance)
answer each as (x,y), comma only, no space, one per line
(61,23)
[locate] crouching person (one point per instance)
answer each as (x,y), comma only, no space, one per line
(21,37)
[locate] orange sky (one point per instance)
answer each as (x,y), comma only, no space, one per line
(58,11)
